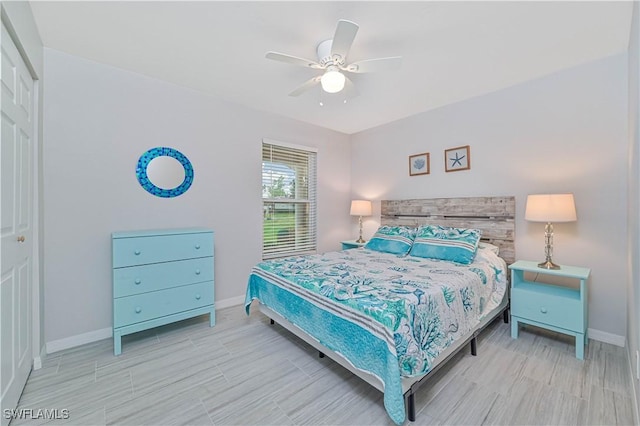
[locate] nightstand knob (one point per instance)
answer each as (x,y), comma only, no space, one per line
(138,310)
(197,297)
(138,281)
(137,252)
(543,310)
(197,271)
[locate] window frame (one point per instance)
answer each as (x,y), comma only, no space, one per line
(304,240)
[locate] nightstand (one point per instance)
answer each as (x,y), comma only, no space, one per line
(558,308)
(351,244)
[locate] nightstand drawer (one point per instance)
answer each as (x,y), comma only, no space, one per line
(562,312)
(160,248)
(158,276)
(142,307)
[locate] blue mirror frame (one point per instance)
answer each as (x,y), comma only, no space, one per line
(143,178)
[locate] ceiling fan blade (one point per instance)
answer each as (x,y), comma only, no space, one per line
(375,65)
(283,57)
(350,90)
(343,39)
(305,86)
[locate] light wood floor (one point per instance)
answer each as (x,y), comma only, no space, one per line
(245,371)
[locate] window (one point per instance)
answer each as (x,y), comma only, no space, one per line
(288,200)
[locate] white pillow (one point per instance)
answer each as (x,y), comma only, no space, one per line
(488,246)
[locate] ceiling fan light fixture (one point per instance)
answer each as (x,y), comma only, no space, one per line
(332,58)
(333,80)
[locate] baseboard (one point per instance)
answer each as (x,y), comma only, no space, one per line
(603,336)
(226,303)
(105,333)
(634,395)
(37,361)
(77,340)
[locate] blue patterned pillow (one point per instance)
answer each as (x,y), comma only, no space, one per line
(452,244)
(392,239)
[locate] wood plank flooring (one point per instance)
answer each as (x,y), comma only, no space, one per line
(245,371)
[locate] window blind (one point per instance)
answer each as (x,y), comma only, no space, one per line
(289,201)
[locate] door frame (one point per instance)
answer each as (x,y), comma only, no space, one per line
(37,303)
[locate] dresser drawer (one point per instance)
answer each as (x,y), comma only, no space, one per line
(160,248)
(142,307)
(563,312)
(159,276)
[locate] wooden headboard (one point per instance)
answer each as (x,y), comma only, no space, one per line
(494,216)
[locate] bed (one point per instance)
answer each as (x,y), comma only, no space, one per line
(392,319)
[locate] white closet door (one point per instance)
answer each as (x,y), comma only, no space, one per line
(16,243)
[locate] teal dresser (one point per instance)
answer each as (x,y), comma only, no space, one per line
(558,308)
(160,277)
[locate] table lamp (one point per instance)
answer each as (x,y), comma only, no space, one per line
(360,208)
(550,208)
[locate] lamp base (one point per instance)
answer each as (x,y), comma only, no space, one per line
(548,265)
(360,240)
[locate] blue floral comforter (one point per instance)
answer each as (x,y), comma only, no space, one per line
(390,316)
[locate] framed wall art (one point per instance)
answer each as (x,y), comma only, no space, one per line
(419,164)
(456,159)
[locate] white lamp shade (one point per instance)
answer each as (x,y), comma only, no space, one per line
(550,208)
(360,208)
(332,81)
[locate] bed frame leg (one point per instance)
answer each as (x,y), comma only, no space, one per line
(272,321)
(411,407)
(320,354)
(474,347)
(505,316)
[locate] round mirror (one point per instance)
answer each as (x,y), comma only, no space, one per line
(164,172)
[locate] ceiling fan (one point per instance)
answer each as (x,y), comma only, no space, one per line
(332,56)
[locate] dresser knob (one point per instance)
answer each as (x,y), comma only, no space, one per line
(197,271)
(138,310)
(137,252)
(138,281)
(197,246)
(197,297)
(543,310)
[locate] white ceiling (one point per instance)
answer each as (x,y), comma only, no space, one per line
(451,50)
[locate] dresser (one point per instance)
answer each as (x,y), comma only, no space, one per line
(159,277)
(558,308)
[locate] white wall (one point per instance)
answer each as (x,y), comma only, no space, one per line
(633,290)
(98,121)
(566,132)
